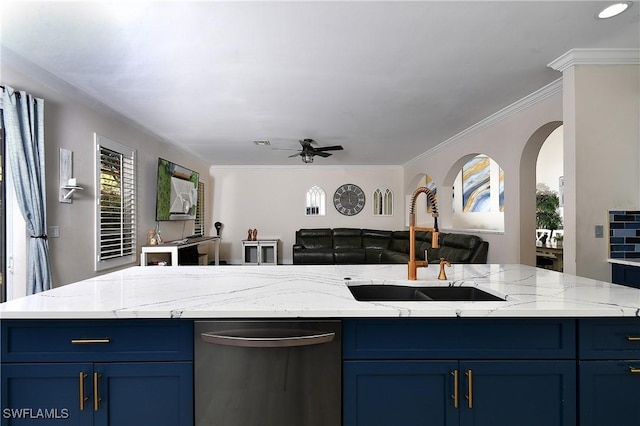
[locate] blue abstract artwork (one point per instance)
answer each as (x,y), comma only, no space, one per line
(476,185)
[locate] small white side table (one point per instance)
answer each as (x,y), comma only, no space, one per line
(260,252)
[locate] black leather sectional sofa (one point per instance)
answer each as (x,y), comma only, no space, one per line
(327,246)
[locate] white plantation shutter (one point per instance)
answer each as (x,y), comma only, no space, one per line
(116,204)
(198,225)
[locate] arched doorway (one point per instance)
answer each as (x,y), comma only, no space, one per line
(527,202)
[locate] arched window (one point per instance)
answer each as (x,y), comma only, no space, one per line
(382,202)
(316,202)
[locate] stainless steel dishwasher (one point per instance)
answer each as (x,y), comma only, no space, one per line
(268,373)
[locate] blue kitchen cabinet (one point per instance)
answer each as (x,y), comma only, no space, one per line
(625,275)
(467,372)
(523,393)
(408,393)
(45,394)
(609,393)
(609,371)
(152,394)
(105,373)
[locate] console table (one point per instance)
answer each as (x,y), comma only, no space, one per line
(172,247)
(260,252)
(553,255)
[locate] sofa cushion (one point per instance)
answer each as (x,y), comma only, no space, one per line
(400,242)
(347,238)
(313,257)
(374,239)
(314,238)
(350,256)
(390,256)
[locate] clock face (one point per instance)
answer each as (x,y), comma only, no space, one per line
(349,199)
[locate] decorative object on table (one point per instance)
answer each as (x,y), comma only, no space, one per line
(152,237)
(254,236)
(349,199)
(218,226)
(249,235)
(547,213)
(557,241)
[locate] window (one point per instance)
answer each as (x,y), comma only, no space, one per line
(382,202)
(198,225)
(316,200)
(116,204)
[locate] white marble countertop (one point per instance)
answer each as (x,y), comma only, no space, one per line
(292,291)
(628,262)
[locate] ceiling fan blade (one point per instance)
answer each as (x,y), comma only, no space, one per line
(295,155)
(322,154)
(329,148)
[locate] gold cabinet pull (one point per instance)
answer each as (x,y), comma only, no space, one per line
(90,341)
(469,375)
(96,395)
(454,373)
(83,398)
(633,338)
(634,370)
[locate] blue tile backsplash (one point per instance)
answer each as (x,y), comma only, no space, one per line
(624,234)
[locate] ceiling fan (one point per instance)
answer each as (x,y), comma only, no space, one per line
(308,151)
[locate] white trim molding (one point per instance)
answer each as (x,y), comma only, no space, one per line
(506,112)
(596,57)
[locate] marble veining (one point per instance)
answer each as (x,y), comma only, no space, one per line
(296,291)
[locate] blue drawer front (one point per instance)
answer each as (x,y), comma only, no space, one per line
(609,338)
(97,340)
(459,338)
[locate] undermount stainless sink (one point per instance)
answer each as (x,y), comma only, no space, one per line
(403,293)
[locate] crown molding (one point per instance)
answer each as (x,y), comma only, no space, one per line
(516,107)
(596,57)
(304,167)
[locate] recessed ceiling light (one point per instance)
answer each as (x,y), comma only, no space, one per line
(262,142)
(613,10)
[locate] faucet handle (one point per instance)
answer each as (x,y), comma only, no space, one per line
(442,275)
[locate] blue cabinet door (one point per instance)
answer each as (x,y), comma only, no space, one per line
(145,394)
(523,393)
(392,393)
(609,392)
(51,394)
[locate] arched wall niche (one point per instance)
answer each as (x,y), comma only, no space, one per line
(527,199)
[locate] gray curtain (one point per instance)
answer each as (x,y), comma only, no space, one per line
(24,126)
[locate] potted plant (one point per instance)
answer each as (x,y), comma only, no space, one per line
(547,212)
(557,241)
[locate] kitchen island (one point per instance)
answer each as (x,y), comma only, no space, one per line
(298,291)
(559,350)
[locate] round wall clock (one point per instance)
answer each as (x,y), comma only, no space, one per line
(349,199)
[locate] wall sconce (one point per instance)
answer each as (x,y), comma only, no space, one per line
(68,184)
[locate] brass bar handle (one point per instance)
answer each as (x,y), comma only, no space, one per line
(634,370)
(469,374)
(96,395)
(83,398)
(90,341)
(633,338)
(454,373)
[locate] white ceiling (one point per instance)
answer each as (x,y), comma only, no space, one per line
(387,80)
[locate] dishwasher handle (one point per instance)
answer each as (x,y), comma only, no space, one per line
(267,338)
